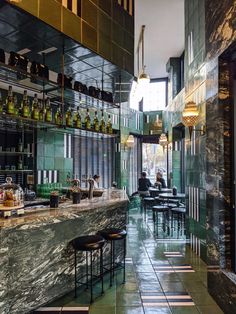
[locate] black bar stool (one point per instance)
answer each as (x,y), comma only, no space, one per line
(112,235)
(89,243)
(148,202)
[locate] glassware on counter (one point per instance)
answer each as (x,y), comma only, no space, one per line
(12,194)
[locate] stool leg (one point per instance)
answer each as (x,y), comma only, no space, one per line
(86,270)
(91,278)
(124,259)
(75,273)
(111,263)
(101,269)
(113,260)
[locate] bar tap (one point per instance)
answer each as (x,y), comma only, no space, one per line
(91,188)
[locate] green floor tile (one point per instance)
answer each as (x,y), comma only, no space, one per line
(129,310)
(128,299)
(173,277)
(128,287)
(185,310)
(210,309)
(159,310)
(94,309)
(194,286)
(202,298)
(169,286)
(144,268)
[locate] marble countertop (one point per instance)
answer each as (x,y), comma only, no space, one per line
(42,215)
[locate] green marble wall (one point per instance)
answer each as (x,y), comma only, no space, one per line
(195,165)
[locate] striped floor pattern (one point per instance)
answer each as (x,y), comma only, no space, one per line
(152,299)
(173,254)
(174,269)
(128,260)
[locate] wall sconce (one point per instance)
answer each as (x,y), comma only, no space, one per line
(130,141)
(190,116)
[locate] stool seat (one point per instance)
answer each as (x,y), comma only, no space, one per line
(170,205)
(160,208)
(88,243)
(181,210)
(113,234)
(149,199)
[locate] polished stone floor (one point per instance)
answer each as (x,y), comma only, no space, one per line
(163,274)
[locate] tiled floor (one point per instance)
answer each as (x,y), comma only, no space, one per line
(163,276)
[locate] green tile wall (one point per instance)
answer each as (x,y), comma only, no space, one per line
(50,154)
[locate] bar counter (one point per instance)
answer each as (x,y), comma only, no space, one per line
(36,262)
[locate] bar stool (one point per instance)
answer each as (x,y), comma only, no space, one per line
(112,235)
(148,202)
(89,243)
(180,213)
(159,209)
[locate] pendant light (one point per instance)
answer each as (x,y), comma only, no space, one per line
(190,116)
(143,78)
(130,141)
(163,140)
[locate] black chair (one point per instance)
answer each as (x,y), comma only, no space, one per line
(112,235)
(89,244)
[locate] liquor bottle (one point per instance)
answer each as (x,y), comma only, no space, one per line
(35,108)
(41,111)
(26,106)
(96,122)
(1,104)
(58,117)
(109,125)
(20,164)
(77,119)
(102,123)
(16,106)
(48,114)
(87,121)
(20,108)
(69,118)
(10,108)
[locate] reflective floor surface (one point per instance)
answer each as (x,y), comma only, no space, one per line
(163,274)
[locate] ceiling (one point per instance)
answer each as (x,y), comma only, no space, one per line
(164,33)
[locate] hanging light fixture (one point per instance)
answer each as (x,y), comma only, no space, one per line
(143,78)
(163,140)
(130,141)
(190,116)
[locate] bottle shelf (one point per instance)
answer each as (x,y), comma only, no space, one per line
(16,77)
(74,97)
(15,171)
(25,80)
(20,122)
(14,153)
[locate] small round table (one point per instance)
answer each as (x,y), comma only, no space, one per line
(171,196)
(155,191)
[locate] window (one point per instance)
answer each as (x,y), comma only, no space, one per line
(155,96)
(154,160)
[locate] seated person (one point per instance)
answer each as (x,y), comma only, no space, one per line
(144,184)
(96,179)
(160,181)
